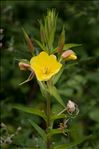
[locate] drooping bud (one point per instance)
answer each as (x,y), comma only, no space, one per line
(23,66)
(69,55)
(71,106)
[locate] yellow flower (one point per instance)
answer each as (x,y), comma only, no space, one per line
(45,66)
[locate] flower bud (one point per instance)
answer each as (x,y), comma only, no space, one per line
(23,66)
(71,106)
(69,55)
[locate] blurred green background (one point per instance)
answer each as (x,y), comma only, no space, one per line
(80,80)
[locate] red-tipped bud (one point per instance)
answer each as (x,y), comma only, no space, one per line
(23,66)
(69,55)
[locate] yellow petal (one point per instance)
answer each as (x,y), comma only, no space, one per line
(72,57)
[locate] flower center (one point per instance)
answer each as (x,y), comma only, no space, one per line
(45,70)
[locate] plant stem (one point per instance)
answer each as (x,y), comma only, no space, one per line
(48,122)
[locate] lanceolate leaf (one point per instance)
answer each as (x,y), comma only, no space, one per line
(40,45)
(54,92)
(40,131)
(70,45)
(43,88)
(66,47)
(69,146)
(57,131)
(54,132)
(42,33)
(31,111)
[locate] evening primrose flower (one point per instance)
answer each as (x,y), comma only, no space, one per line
(45,66)
(69,55)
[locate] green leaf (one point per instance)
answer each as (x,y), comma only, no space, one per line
(31,111)
(57,76)
(50,22)
(40,131)
(40,45)
(42,33)
(69,146)
(54,92)
(70,45)
(54,50)
(55,131)
(43,88)
(55,116)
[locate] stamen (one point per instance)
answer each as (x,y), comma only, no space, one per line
(45,70)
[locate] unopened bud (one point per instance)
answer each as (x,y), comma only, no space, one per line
(71,106)
(69,55)
(23,66)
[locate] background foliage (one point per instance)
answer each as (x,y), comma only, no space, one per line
(80,80)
